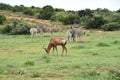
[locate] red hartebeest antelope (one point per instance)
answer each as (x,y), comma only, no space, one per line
(54,42)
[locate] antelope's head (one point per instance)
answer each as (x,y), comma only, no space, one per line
(46,50)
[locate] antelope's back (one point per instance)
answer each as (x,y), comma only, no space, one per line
(58,41)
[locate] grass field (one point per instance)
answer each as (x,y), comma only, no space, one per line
(94,57)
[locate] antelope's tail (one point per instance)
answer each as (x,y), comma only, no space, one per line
(65,42)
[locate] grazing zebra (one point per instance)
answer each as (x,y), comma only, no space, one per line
(69,35)
(72,34)
(35,31)
(53,30)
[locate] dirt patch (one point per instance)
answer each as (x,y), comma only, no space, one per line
(31,20)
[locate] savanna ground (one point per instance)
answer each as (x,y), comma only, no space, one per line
(94,57)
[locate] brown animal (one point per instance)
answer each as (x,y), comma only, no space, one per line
(54,42)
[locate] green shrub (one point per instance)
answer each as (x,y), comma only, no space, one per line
(2,19)
(5,6)
(86,12)
(84,20)
(46,13)
(111,26)
(6,29)
(28,12)
(14,30)
(20,29)
(71,19)
(96,23)
(57,17)
(17,8)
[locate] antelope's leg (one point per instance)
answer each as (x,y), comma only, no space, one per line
(62,50)
(56,50)
(65,49)
(53,50)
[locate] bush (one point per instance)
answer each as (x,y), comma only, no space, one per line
(111,26)
(86,12)
(85,20)
(21,29)
(5,6)
(14,30)
(46,12)
(96,23)
(57,17)
(17,8)
(2,19)
(6,29)
(71,19)
(28,12)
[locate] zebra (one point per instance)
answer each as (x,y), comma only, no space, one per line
(72,34)
(34,31)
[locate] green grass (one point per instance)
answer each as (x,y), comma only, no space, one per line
(96,57)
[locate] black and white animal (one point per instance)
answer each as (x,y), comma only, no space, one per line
(72,34)
(54,30)
(69,35)
(34,31)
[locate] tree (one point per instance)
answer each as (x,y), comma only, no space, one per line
(59,10)
(84,20)
(96,23)
(71,19)
(28,12)
(58,17)
(116,18)
(5,6)
(46,12)
(17,8)
(118,10)
(86,12)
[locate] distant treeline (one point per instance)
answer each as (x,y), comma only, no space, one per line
(87,18)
